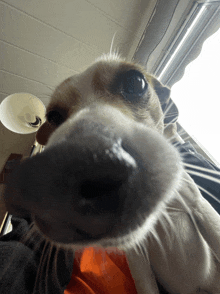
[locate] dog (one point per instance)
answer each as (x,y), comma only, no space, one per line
(109,176)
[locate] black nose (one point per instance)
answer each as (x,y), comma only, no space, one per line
(87,172)
(100,194)
(94,168)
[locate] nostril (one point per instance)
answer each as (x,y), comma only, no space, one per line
(100,196)
(97,188)
(84,234)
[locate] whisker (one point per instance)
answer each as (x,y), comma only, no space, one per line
(33,238)
(188,210)
(26,238)
(165,114)
(170,139)
(55,269)
(204,190)
(185,139)
(142,251)
(202,169)
(40,269)
(208,193)
(181,133)
(153,234)
(49,254)
(169,221)
(50,87)
(201,175)
(112,42)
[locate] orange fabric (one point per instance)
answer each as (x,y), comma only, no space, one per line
(97,271)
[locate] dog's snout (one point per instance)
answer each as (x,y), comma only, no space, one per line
(89,180)
(82,181)
(95,166)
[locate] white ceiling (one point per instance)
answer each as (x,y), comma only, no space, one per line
(43,42)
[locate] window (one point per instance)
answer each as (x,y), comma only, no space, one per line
(197,96)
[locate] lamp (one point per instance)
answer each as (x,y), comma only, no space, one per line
(22,113)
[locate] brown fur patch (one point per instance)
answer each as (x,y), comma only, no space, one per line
(44,133)
(67,99)
(97,82)
(65,96)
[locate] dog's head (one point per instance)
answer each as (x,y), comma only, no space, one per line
(106,170)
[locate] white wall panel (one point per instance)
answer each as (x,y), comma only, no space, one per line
(32,35)
(76,18)
(11,83)
(27,65)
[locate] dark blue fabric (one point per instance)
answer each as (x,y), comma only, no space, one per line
(19,263)
(192,157)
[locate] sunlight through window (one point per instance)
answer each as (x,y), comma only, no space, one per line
(197,97)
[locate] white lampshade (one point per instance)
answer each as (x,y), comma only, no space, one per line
(22,113)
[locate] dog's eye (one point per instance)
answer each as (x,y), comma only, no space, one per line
(133,84)
(55,117)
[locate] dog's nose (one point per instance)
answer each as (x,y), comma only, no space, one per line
(94,165)
(91,172)
(80,181)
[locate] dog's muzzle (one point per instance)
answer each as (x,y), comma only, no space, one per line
(99,173)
